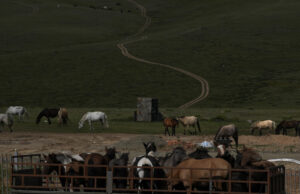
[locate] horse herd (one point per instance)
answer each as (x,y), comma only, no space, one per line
(231,129)
(62,114)
(226,131)
(83,167)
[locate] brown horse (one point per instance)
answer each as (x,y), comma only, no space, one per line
(170,122)
(247,156)
(284,125)
(250,159)
(201,170)
(98,159)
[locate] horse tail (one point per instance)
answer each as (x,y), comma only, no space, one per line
(273,125)
(198,125)
(26,112)
(105,120)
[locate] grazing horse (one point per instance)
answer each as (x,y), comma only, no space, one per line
(6,119)
(201,170)
(188,121)
(98,159)
(170,122)
(120,171)
(141,171)
(17,110)
(62,116)
(267,124)
(92,117)
(48,113)
(284,125)
(227,131)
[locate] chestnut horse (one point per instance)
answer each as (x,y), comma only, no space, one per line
(170,122)
(284,125)
(98,159)
(202,169)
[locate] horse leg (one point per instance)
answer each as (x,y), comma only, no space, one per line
(252,131)
(167,130)
(90,123)
(49,121)
(260,131)
(173,131)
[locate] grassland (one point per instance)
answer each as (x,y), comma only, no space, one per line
(121,120)
(63,53)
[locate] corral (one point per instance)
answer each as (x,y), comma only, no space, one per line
(24,174)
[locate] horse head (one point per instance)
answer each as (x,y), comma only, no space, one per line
(80,124)
(178,155)
(150,148)
(110,153)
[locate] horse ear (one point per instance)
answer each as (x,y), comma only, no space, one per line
(145,145)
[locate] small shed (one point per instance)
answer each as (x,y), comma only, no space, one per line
(147,110)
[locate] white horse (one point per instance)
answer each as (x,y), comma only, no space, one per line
(17,110)
(6,119)
(92,117)
(188,121)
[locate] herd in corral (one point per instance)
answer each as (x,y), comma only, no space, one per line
(88,171)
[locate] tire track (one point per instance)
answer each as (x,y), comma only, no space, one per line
(133,38)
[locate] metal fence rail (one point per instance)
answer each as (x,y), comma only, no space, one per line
(17,176)
(292,180)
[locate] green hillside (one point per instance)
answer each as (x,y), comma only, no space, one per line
(64,52)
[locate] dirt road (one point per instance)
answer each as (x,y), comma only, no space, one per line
(134,38)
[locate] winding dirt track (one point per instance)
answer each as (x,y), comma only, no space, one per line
(204,84)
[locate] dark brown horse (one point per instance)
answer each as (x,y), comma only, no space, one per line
(170,122)
(48,113)
(98,159)
(284,125)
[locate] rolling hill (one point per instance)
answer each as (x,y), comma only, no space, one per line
(64,52)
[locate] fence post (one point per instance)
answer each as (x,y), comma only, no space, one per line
(2,175)
(109,182)
(15,160)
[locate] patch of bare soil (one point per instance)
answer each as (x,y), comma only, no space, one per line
(272,146)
